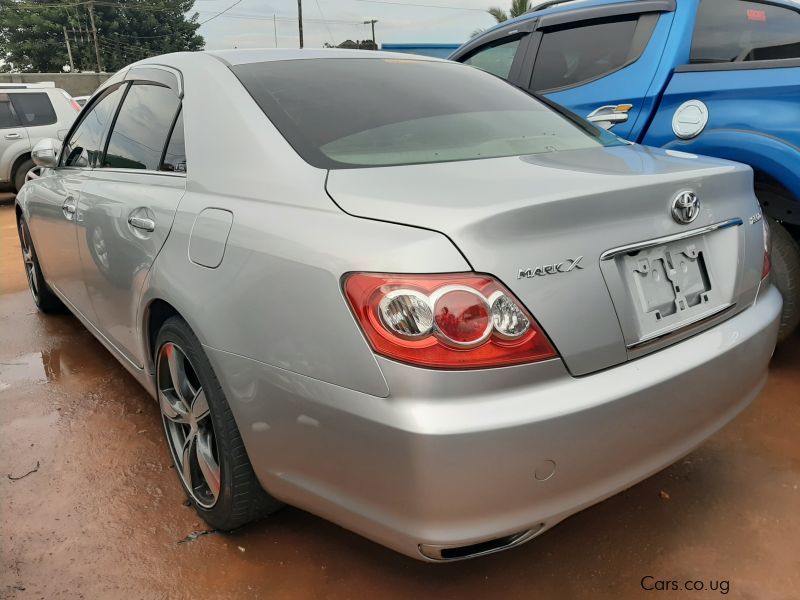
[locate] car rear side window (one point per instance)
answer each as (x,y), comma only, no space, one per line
(572,55)
(175,155)
(141,128)
(495,58)
(369,112)
(7,117)
(85,145)
(740,31)
(34,109)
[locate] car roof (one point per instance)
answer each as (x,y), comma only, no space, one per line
(241,57)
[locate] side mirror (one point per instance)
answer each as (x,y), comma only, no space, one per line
(45,153)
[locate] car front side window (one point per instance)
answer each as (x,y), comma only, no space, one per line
(85,145)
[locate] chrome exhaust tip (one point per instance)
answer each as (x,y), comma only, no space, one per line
(446,553)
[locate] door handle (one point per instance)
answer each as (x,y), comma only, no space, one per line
(13,136)
(609,115)
(142,223)
(69,208)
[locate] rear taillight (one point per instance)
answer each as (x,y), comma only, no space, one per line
(457,321)
(75,105)
(767,250)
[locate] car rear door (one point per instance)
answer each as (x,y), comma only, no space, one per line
(130,200)
(13,137)
(600,61)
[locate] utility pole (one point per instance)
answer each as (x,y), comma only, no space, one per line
(372,22)
(275,29)
(94,33)
(300,19)
(69,51)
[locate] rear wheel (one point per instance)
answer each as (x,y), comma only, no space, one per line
(46,301)
(786,277)
(206,447)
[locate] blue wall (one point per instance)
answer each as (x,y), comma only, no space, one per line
(437,50)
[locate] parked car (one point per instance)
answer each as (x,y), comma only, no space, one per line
(714,77)
(422,303)
(29,113)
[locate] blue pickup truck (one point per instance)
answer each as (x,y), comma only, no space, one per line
(714,77)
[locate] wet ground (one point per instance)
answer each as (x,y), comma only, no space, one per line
(102,513)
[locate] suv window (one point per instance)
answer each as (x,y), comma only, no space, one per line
(495,58)
(7,116)
(140,131)
(175,156)
(572,55)
(85,145)
(735,31)
(33,109)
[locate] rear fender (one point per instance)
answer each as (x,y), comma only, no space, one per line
(763,152)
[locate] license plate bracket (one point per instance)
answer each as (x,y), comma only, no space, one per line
(671,286)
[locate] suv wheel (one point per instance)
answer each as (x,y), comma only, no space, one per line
(25,171)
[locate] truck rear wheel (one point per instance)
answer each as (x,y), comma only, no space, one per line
(786,277)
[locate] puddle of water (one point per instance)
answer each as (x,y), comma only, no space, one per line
(36,367)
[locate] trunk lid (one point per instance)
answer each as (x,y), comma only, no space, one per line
(541,223)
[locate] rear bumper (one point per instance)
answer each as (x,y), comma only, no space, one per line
(455,459)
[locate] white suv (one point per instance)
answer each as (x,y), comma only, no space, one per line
(29,113)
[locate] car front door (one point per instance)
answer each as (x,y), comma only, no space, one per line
(600,62)
(13,137)
(130,201)
(54,203)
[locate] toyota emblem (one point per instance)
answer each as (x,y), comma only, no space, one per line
(685,207)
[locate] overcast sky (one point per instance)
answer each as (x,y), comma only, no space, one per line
(249,24)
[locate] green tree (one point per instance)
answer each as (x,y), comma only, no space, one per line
(32,32)
(518,8)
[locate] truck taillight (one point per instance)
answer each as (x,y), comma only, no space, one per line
(457,321)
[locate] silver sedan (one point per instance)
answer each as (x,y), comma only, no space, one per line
(399,292)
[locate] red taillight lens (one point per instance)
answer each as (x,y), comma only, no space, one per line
(75,105)
(767,250)
(457,321)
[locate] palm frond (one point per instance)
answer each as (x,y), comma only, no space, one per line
(498,13)
(520,7)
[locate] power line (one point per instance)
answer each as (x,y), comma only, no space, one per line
(219,14)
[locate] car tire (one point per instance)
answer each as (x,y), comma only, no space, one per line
(206,447)
(46,301)
(21,174)
(786,277)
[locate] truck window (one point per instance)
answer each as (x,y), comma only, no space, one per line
(495,58)
(740,31)
(571,55)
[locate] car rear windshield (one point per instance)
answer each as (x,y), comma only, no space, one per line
(346,113)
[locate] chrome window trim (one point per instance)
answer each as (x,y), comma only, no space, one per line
(675,237)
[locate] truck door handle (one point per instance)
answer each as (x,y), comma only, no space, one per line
(609,115)
(142,223)
(13,136)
